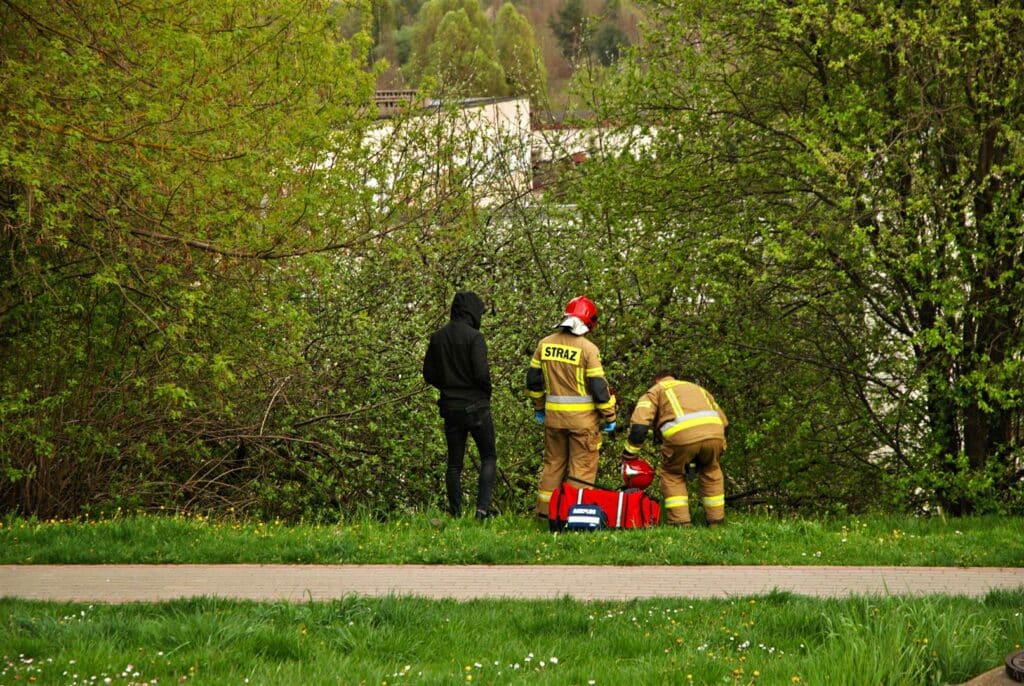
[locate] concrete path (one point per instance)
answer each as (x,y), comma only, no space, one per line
(129,583)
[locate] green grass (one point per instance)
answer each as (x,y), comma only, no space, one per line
(767,640)
(776,639)
(432,538)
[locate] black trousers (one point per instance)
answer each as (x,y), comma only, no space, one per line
(458,425)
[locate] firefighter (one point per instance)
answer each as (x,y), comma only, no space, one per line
(691,426)
(456,364)
(571,399)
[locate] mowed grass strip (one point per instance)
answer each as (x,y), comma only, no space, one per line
(774,639)
(433,538)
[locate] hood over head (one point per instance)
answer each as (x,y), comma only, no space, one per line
(467,306)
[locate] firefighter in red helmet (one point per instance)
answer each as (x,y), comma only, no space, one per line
(692,429)
(571,399)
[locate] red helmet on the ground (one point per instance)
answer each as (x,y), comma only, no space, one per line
(637,473)
(583,308)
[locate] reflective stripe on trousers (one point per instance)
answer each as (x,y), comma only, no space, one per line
(677,501)
(713,501)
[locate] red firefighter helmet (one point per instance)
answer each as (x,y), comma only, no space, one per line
(583,308)
(637,473)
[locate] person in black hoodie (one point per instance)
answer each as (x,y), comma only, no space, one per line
(456,364)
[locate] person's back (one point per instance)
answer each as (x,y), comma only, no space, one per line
(456,364)
(688,413)
(456,360)
(567,361)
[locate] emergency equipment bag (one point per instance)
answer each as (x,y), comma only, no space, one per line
(624,509)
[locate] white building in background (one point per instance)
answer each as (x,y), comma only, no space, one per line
(476,145)
(491,147)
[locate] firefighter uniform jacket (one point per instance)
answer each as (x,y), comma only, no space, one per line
(680,411)
(566,380)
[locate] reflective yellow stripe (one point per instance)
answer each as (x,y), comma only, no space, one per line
(677,501)
(581,384)
(689,423)
(644,403)
(535,394)
(631,449)
(595,371)
(713,501)
(544,496)
(677,409)
(535,363)
(605,406)
(569,407)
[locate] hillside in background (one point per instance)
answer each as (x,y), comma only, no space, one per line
(605,21)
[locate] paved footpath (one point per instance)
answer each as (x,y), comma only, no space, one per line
(130,583)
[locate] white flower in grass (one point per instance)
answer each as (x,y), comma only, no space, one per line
(553,660)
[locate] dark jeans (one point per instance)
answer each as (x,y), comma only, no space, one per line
(458,424)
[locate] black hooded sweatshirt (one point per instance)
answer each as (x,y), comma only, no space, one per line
(456,359)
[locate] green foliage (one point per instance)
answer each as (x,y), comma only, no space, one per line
(571,28)
(609,44)
(153,159)
(454,48)
(463,58)
(826,229)
(219,272)
(519,55)
(454,65)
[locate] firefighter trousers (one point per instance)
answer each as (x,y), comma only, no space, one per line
(672,471)
(567,452)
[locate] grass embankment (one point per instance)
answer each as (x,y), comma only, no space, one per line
(768,640)
(432,538)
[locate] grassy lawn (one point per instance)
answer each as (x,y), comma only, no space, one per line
(432,538)
(775,639)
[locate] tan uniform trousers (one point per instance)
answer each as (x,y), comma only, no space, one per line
(672,471)
(567,452)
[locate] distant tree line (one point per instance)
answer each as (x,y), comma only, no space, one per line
(470,48)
